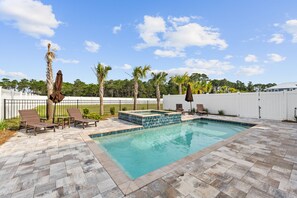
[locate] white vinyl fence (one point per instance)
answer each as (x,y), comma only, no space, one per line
(265,105)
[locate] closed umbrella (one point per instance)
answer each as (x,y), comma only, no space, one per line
(189,96)
(57,95)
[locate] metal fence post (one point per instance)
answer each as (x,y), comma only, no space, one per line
(4,109)
(120,105)
(147,104)
(77,104)
(46,109)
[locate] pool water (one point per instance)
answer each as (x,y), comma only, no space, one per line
(142,151)
(149,112)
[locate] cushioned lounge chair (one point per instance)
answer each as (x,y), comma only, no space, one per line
(76,116)
(31,120)
(200,110)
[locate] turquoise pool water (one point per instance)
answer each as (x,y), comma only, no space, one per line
(142,151)
(149,112)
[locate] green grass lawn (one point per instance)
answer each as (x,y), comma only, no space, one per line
(61,110)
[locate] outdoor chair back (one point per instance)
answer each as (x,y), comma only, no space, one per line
(30,116)
(75,113)
(179,107)
(200,109)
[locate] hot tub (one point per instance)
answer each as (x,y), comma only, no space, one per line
(151,118)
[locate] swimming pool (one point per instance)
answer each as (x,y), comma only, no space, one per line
(142,151)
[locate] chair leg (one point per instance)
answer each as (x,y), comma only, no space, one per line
(95,123)
(54,129)
(35,131)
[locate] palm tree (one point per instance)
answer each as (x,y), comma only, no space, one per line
(101,73)
(180,80)
(208,87)
(49,57)
(138,73)
(158,79)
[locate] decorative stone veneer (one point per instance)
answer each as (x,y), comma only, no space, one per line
(152,120)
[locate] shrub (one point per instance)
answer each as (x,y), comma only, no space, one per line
(221,112)
(206,110)
(112,110)
(142,108)
(124,109)
(13,124)
(94,116)
(193,110)
(86,111)
(3,125)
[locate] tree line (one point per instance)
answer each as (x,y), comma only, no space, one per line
(124,88)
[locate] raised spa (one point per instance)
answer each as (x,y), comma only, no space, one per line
(151,118)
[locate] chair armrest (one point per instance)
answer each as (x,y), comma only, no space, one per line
(23,123)
(42,119)
(71,119)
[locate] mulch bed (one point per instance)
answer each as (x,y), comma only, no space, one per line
(5,135)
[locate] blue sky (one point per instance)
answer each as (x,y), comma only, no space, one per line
(247,40)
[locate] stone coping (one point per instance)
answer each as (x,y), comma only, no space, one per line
(128,185)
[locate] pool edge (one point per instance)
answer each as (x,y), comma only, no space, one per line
(127,185)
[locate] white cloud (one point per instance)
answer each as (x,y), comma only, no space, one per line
(178,20)
(227,57)
(276,38)
(208,67)
(276,57)
(148,31)
(193,34)
(291,27)
(251,70)
(29,16)
(250,58)
(117,29)
(54,46)
(12,74)
(178,36)
(67,61)
(169,53)
(196,17)
(126,67)
(91,46)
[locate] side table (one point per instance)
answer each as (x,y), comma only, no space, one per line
(64,121)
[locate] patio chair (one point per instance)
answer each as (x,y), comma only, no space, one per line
(31,120)
(76,116)
(200,110)
(179,108)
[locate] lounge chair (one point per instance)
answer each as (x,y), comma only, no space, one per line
(200,110)
(76,116)
(31,120)
(179,108)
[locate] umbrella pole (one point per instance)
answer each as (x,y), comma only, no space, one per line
(54,113)
(191,107)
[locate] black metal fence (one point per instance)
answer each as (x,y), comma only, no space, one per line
(12,106)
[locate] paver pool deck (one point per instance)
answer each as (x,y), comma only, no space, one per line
(259,162)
